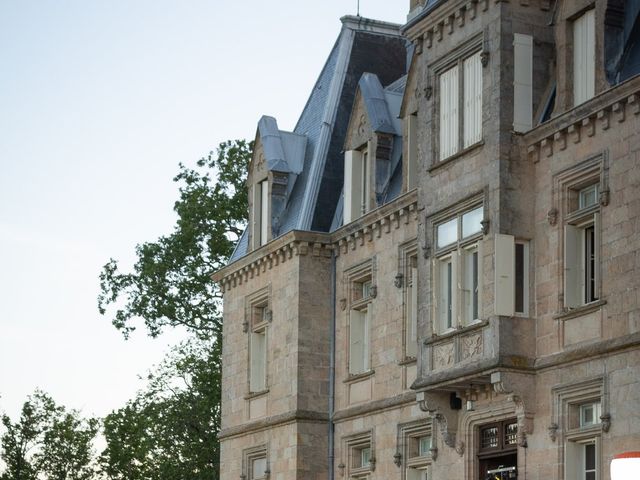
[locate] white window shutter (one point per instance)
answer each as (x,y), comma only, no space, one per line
(472,100)
(257,354)
(522,82)
(504,275)
(449,96)
(412,151)
(264,215)
(356,341)
(572,267)
(366,350)
(257,214)
(584,57)
(455,287)
(412,314)
(352,186)
(598,271)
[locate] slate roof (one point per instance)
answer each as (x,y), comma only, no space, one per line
(363,45)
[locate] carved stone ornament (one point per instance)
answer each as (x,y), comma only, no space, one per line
(397,459)
(245,327)
(374,291)
(604,197)
(243,476)
(398,280)
(343,304)
(426,250)
(553,431)
(552,216)
(484,224)
(373,464)
(484,58)
(428,92)
(605,420)
(362,124)
(434,453)
(268,315)
(460,448)
(341,467)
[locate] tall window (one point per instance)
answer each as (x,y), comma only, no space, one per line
(356,184)
(582,245)
(582,453)
(511,276)
(412,151)
(460,106)
(360,326)
(260,213)
(411,313)
(257,326)
(457,269)
(584,57)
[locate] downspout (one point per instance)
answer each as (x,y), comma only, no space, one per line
(332,365)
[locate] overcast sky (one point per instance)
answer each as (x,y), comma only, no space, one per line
(99,101)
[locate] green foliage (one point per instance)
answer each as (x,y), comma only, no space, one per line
(47,442)
(170,430)
(170,284)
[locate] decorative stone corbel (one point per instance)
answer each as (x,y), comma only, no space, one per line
(426,250)
(553,431)
(484,58)
(373,463)
(435,404)
(519,388)
(434,453)
(268,315)
(374,291)
(604,197)
(245,326)
(484,224)
(552,216)
(343,304)
(460,448)
(605,421)
(398,281)
(397,459)
(428,92)
(341,467)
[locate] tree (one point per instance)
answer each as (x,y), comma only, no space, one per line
(169,431)
(48,440)
(24,436)
(170,284)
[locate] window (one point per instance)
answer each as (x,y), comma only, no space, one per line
(460,105)
(416,450)
(589,414)
(457,269)
(522,82)
(361,460)
(497,450)
(255,464)
(582,249)
(356,184)
(256,325)
(584,57)
(412,151)
(361,292)
(260,213)
(411,313)
(511,276)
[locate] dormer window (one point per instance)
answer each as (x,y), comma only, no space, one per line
(584,57)
(260,213)
(356,184)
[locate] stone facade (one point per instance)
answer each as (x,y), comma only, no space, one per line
(521,365)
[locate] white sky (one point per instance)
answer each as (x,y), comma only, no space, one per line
(99,101)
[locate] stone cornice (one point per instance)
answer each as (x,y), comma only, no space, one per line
(375,406)
(371,226)
(597,115)
(307,416)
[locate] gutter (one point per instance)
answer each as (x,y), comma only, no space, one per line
(332,366)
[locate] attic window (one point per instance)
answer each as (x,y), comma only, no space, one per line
(260,213)
(356,184)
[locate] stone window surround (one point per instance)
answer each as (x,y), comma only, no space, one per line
(251,454)
(568,397)
(467,204)
(350,445)
(407,254)
(566,184)
(435,69)
(352,278)
(254,321)
(410,431)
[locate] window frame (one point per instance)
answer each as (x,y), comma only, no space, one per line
(260,212)
(353,448)
(407,451)
(258,317)
(585,91)
(356,189)
(360,307)
(454,254)
(441,67)
(250,455)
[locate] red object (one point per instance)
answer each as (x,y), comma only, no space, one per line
(628,455)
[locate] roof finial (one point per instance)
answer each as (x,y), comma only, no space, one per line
(358,8)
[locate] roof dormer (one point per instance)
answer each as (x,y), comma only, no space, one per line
(275,165)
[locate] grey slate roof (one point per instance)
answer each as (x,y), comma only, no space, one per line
(362,45)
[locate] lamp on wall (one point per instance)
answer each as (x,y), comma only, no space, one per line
(471,399)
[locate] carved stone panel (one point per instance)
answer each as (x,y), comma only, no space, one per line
(471,346)
(443,356)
